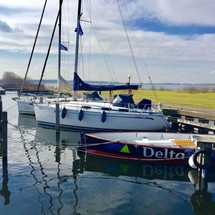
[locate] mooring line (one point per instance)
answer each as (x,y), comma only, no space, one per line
(42,139)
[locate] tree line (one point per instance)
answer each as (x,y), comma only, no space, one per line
(11,81)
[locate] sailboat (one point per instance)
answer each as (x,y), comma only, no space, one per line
(94,114)
(38,94)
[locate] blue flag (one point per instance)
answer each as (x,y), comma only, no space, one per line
(62,47)
(80,31)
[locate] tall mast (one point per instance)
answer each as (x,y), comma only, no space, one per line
(59,43)
(32,51)
(77,41)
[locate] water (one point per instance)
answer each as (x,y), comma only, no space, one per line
(45,176)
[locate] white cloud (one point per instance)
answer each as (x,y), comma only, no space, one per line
(177,12)
(179,57)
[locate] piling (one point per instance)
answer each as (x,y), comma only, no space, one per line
(0,109)
(4,135)
(3,141)
(3,131)
(57,118)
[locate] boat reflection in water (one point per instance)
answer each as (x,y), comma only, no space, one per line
(66,138)
(116,167)
(201,199)
(27,121)
(48,135)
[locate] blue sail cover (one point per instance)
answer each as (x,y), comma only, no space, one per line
(78,84)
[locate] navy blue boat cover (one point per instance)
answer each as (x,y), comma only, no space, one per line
(78,84)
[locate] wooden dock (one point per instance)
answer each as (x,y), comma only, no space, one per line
(191,120)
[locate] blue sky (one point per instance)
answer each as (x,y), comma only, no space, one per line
(171,29)
(172,41)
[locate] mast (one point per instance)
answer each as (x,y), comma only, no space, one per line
(77,43)
(49,48)
(59,43)
(32,51)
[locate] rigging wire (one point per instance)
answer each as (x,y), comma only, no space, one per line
(129,43)
(141,53)
(90,39)
(81,51)
(103,48)
(65,33)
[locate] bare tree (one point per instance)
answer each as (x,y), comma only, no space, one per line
(10,80)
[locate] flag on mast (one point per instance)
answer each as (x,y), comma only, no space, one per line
(62,47)
(80,31)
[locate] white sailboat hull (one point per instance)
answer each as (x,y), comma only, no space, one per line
(93,119)
(25,107)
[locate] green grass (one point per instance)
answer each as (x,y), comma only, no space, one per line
(181,98)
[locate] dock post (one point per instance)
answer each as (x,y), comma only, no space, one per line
(4,135)
(0,109)
(57,118)
(3,141)
(4,191)
(3,131)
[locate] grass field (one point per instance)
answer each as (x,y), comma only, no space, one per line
(181,98)
(192,99)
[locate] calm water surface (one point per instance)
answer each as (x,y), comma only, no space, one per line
(46,175)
